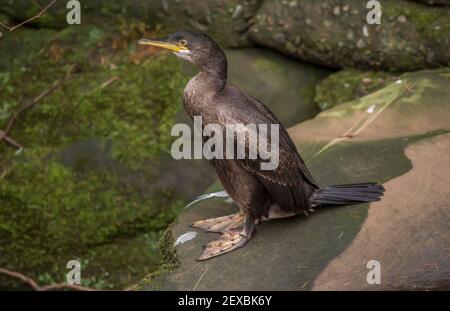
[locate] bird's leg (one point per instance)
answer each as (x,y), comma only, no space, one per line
(220,224)
(229,240)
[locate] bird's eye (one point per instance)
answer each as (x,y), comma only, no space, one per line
(183,42)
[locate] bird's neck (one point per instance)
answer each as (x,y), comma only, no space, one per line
(210,81)
(215,68)
(216,71)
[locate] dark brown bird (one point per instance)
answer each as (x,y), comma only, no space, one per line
(260,194)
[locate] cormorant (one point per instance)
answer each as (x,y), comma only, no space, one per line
(260,194)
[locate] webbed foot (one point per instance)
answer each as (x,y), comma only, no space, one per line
(220,224)
(228,241)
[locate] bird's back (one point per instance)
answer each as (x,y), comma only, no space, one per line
(290,184)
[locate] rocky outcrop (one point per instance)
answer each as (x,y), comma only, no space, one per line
(349,84)
(336,34)
(226,21)
(333,33)
(387,138)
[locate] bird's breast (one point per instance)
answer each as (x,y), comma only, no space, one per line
(197,97)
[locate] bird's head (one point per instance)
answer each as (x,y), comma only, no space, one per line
(197,48)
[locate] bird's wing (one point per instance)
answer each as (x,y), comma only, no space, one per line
(291,183)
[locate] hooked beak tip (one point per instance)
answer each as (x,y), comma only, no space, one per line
(144,42)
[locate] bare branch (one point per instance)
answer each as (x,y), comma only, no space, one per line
(9,140)
(35,286)
(11,28)
(108,82)
(21,277)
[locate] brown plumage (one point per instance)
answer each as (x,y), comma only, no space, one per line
(285,191)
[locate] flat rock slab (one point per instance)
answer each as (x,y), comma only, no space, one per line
(408,232)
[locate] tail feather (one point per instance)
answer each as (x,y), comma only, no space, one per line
(347,194)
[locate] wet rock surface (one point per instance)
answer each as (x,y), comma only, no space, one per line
(330,249)
(336,34)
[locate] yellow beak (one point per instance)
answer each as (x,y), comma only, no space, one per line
(162,44)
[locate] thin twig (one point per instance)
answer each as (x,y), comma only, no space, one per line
(130,288)
(409,88)
(201,277)
(37,287)
(108,82)
(11,28)
(9,140)
(360,125)
(21,277)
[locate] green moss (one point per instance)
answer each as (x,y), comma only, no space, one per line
(431,23)
(169,262)
(54,211)
(51,215)
(133,111)
(349,84)
(93,12)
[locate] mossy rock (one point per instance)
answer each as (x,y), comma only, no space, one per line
(410,36)
(92,12)
(331,249)
(349,84)
(84,185)
(415,103)
(226,21)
